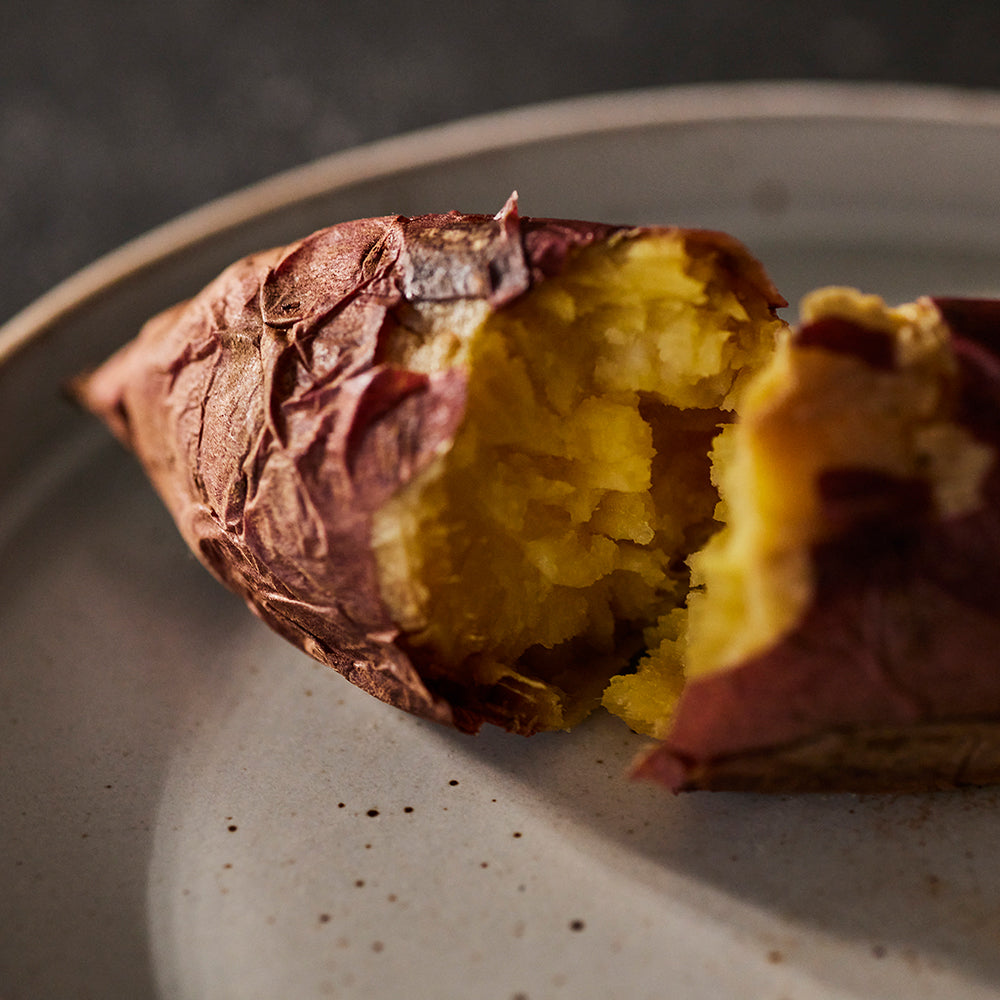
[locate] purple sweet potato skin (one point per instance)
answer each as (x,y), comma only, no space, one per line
(267,420)
(891,680)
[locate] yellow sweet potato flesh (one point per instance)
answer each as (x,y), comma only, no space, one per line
(545,550)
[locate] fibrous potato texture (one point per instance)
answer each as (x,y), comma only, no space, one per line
(529,560)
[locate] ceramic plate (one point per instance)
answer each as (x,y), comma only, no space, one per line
(193,809)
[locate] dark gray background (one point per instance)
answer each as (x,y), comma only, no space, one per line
(117,116)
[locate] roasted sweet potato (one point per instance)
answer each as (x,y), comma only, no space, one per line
(843,629)
(502,469)
(461,459)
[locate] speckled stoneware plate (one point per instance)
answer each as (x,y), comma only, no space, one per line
(193,809)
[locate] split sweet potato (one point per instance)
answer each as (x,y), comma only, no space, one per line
(504,470)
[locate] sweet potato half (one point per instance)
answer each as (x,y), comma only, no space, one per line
(503,469)
(843,630)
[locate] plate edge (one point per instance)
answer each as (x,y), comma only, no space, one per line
(520,126)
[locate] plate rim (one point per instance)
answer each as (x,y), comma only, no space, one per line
(614,111)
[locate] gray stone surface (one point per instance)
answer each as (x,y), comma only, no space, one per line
(117,116)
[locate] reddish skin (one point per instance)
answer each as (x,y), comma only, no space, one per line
(902,638)
(272,430)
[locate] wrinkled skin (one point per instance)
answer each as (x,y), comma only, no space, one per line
(891,679)
(267,420)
